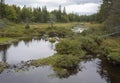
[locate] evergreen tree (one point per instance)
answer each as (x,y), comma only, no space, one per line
(11,13)
(104,10)
(52,20)
(59,14)
(37,14)
(44,15)
(113,20)
(26,14)
(2,8)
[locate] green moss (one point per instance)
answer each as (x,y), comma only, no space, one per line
(115,56)
(44,61)
(62,61)
(52,40)
(111,48)
(7,40)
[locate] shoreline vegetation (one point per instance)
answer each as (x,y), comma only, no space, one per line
(78,45)
(72,47)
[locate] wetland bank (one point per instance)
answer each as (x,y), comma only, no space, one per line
(42,46)
(63,61)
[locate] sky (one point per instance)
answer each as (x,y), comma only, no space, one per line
(72,6)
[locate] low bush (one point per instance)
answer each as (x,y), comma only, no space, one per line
(68,46)
(52,40)
(66,61)
(59,32)
(27,26)
(89,44)
(111,48)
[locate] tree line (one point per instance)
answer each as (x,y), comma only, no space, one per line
(27,14)
(109,14)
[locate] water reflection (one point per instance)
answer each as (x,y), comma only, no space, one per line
(88,71)
(3,52)
(111,73)
(25,50)
(66,73)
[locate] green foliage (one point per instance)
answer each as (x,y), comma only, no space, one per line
(72,47)
(27,26)
(66,61)
(111,48)
(44,15)
(37,15)
(105,10)
(7,40)
(26,14)
(2,8)
(58,60)
(52,20)
(89,44)
(112,23)
(41,15)
(59,32)
(109,14)
(11,13)
(52,40)
(44,61)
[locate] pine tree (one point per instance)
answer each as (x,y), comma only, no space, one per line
(2,8)
(104,10)
(113,21)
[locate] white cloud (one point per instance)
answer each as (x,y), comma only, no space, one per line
(77,6)
(83,8)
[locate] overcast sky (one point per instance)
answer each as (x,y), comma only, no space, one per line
(75,6)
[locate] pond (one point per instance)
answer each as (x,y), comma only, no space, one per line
(79,28)
(89,71)
(93,70)
(27,49)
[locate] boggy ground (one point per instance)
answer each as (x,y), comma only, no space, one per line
(72,47)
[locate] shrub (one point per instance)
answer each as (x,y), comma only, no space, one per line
(27,26)
(59,32)
(111,48)
(68,46)
(52,40)
(66,61)
(89,44)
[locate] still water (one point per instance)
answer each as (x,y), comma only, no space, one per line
(25,50)
(90,71)
(94,70)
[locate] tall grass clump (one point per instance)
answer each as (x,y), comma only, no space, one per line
(67,46)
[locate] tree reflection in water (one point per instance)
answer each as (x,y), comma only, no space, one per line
(108,71)
(66,73)
(3,52)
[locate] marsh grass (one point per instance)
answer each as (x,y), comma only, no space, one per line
(7,40)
